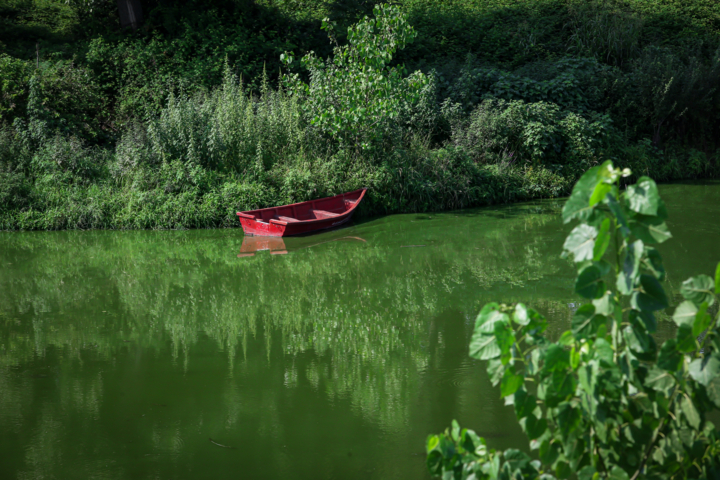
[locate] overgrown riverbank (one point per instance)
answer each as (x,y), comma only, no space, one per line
(155,129)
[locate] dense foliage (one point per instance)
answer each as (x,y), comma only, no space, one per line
(604,400)
(181,123)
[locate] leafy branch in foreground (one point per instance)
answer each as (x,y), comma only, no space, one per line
(605,400)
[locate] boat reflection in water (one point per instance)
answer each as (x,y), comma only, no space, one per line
(250,245)
(276,245)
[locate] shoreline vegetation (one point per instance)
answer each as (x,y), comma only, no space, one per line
(213,107)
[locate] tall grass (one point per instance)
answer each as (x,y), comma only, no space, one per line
(225,130)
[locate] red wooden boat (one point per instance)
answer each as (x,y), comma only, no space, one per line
(304,217)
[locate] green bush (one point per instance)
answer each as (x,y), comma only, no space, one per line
(14,83)
(498,131)
(66,100)
(579,85)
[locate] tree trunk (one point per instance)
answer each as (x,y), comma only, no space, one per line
(130,13)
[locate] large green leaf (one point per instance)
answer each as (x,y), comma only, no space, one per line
(505,339)
(549,452)
(619,214)
(669,358)
(524,403)
(563,470)
(617,473)
(488,316)
(581,242)
(643,197)
(643,319)
(561,387)
(704,370)
(717,279)
(556,358)
(516,459)
(698,289)
(630,267)
(659,379)
(533,427)
(653,262)
(520,314)
(601,190)
(602,241)
(686,341)
(652,297)
(585,322)
(604,351)
(510,383)
(650,229)
(568,418)
(605,305)
(702,320)
(578,205)
(586,473)
(587,375)
(690,412)
(483,344)
(713,391)
(640,343)
(495,370)
(685,313)
(589,282)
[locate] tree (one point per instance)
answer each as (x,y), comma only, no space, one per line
(357,96)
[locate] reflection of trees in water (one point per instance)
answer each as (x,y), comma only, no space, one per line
(363,308)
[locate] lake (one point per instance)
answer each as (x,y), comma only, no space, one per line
(203,354)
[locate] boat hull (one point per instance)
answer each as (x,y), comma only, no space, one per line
(252,227)
(301,218)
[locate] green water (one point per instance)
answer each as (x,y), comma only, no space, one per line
(122,354)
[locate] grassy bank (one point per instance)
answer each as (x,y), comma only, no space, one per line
(177,125)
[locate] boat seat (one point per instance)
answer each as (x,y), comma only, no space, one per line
(287,219)
(324,214)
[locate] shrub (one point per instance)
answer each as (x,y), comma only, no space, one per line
(14,82)
(68,160)
(512,132)
(66,98)
(579,85)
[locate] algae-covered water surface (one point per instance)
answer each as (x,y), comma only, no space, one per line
(203,354)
